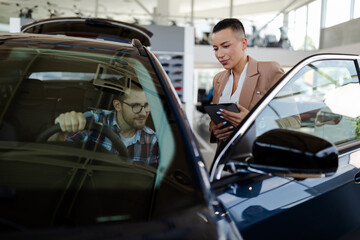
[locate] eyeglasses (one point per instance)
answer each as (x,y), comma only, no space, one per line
(137,108)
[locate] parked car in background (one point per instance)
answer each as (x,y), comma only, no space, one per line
(274,178)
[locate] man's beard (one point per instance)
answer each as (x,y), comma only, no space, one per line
(140,125)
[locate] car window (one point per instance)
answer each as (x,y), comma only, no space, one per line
(320,100)
(87,178)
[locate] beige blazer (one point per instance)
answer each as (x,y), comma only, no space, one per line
(260,77)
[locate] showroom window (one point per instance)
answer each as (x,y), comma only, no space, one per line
(337,13)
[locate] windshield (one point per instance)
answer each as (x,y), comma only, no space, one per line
(57,178)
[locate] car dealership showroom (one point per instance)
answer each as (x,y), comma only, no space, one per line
(244,112)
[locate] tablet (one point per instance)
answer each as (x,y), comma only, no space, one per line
(213,108)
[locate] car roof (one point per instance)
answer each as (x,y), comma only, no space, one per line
(66,41)
(107,29)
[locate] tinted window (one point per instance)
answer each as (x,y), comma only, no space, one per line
(86,179)
(321,99)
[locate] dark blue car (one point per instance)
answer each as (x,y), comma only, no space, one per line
(274,178)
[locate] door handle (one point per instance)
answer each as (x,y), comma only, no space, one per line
(357,178)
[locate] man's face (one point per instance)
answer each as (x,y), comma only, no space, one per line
(134,120)
(229,49)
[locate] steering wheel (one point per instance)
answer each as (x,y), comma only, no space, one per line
(90,126)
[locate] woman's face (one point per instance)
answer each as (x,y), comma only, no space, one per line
(228,48)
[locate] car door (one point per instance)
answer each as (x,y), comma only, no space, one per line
(319,96)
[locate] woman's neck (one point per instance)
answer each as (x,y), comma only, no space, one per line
(237,70)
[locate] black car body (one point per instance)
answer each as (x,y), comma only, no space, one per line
(96,28)
(298,207)
(70,190)
(273,178)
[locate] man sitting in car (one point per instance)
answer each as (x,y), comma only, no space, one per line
(128,119)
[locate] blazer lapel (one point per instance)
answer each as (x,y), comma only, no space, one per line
(249,84)
(220,84)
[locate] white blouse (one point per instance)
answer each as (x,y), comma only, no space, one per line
(226,96)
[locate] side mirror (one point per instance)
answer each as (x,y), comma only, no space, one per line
(295,154)
(327,118)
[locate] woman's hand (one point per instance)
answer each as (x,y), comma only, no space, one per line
(219,131)
(232,117)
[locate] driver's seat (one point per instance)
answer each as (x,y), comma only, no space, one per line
(30,112)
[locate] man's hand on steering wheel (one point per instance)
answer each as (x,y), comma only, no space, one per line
(76,121)
(71,121)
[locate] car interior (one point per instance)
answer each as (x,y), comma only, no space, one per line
(33,104)
(62,184)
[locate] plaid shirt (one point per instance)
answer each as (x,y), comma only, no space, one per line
(143,148)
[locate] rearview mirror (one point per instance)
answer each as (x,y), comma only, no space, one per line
(295,154)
